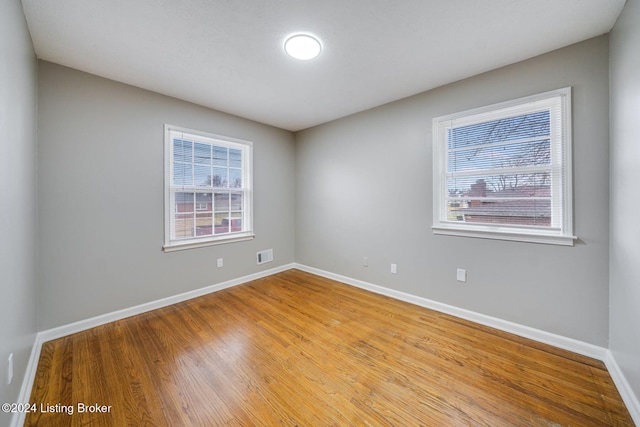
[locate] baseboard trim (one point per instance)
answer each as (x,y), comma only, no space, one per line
(18,418)
(565,343)
(623,386)
(570,344)
(92,322)
(82,325)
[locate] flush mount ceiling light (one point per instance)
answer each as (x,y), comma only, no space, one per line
(302,46)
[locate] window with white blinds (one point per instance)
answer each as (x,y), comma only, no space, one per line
(208,197)
(504,171)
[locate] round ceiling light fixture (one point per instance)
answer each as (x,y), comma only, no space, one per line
(302,46)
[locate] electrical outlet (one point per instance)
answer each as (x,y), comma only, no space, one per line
(394,269)
(220,262)
(365,261)
(461,275)
(10,369)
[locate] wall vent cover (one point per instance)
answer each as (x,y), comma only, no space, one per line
(264,256)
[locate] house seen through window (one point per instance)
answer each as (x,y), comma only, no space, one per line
(504,171)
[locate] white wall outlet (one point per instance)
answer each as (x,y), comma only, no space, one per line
(461,275)
(220,262)
(394,269)
(10,369)
(365,261)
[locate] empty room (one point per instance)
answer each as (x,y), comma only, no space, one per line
(311,213)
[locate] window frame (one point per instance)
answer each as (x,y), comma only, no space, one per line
(170,242)
(561,230)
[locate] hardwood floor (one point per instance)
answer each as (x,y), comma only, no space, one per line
(295,349)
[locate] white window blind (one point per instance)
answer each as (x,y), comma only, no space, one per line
(208,196)
(504,171)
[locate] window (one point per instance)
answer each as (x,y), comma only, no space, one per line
(208,196)
(504,171)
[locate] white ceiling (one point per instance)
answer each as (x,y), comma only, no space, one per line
(228,55)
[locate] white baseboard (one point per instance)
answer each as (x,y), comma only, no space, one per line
(62,331)
(570,344)
(623,386)
(586,349)
(18,418)
(82,325)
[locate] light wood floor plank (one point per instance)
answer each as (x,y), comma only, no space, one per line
(296,349)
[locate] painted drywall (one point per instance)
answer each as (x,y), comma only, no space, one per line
(364,188)
(18,105)
(625,204)
(100,149)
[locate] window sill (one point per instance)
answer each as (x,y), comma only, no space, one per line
(510,235)
(192,244)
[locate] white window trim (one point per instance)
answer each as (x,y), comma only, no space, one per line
(561,232)
(247,218)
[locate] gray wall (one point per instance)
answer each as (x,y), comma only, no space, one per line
(100,192)
(365,189)
(18,89)
(625,203)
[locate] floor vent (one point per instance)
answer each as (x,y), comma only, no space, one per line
(265,256)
